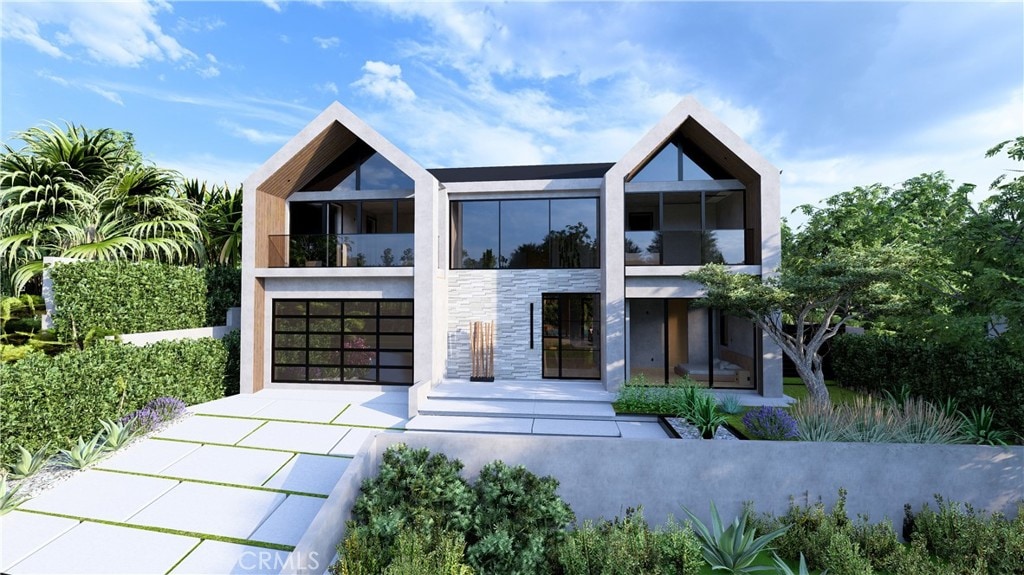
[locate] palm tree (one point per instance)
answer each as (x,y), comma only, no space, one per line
(221,214)
(87,194)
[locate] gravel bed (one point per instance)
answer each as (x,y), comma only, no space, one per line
(686,430)
(53,473)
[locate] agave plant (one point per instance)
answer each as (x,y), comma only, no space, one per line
(29,463)
(732,549)
(979,427)
(730,404)
(9,498)
(116,434)
(705,415)
(782,569)
(84,453)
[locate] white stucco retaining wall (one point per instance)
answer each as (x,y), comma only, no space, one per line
(602,477)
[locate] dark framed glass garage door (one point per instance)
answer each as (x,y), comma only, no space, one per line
(343,341)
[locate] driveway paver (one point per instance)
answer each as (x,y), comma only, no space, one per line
(309,474)
(22,534)
(107,550)
(220,557)
(308,437)
(353,440)
(212,509)
(299,410)
(148,456)
(102,495)
(206,429)
(289,521)
(229,465)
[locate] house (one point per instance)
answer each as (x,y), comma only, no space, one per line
(360,267)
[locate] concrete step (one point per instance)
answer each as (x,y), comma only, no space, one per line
(591,410)
(515,425)
(531,390)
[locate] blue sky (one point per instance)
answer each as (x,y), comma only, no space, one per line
(836,94)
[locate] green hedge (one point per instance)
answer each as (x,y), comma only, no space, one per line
(976,373)
(120,297)
(56,399)
(223,291)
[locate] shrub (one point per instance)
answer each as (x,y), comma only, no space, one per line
(123,297)
(629,546)
(56,399)
(703,413)
(638,395)
(770,423)
(232,343)
(223,292)
(869,421)
(975,372)
(730,404)
(414,490)
(966,538)
(518,521)
(924,422)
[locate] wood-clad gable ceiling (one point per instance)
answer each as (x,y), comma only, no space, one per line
(310,161)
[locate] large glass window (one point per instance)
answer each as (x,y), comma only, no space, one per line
(525,234)
(678,161)
(685,228)
(343,341)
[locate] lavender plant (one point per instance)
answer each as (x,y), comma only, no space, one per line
(770,423)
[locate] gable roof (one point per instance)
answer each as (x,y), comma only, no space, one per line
(696,123)
(313,149)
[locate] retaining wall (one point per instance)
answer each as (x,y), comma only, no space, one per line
(601,477)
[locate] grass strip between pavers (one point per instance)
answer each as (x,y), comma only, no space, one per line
(184,557)
(217,483)
(274,449)
(329,424)
(343,410)
(278,470)
(255,429)
(169,531)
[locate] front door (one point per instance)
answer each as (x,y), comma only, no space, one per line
(572,340)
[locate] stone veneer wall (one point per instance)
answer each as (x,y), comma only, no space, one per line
(504,296)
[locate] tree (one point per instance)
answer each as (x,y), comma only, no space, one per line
(220,210)
(819,296)
(86,194)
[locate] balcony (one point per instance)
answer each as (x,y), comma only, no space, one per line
(688,248)
(341,250)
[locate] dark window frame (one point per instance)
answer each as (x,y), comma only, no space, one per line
(376,333)
(498,253)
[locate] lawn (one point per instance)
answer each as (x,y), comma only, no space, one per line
(795,388)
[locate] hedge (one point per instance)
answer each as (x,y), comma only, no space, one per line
(56,399)
(223,291)
(974,372)
(120,297)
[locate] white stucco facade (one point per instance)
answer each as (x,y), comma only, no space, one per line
(446,298)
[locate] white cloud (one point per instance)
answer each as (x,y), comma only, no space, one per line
(325,43)
(384,81)
(209,168)
(284,39)
(115,33)
(200,24)
(327,88)
(109,95)
(253,135)
(273,5)
(954,145)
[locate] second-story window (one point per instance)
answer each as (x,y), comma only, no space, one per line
(525,234)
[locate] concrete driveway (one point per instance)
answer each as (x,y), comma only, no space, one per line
(230,489)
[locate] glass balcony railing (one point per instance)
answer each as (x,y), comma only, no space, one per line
(342,250)
(686,248)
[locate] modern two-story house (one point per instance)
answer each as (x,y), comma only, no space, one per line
(363,268)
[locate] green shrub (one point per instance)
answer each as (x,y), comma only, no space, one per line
(232,343)
(966,538)
(56,399)
(126,297)
(518,521)
(629,546)
(413,553)
(639,395)
(975,372)
(416,490)
(223,291)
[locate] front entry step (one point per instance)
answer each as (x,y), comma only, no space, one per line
(517,408)
(515,425)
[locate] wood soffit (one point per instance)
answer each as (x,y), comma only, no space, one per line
(309,162)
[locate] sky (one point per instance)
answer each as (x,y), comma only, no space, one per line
(834,94)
